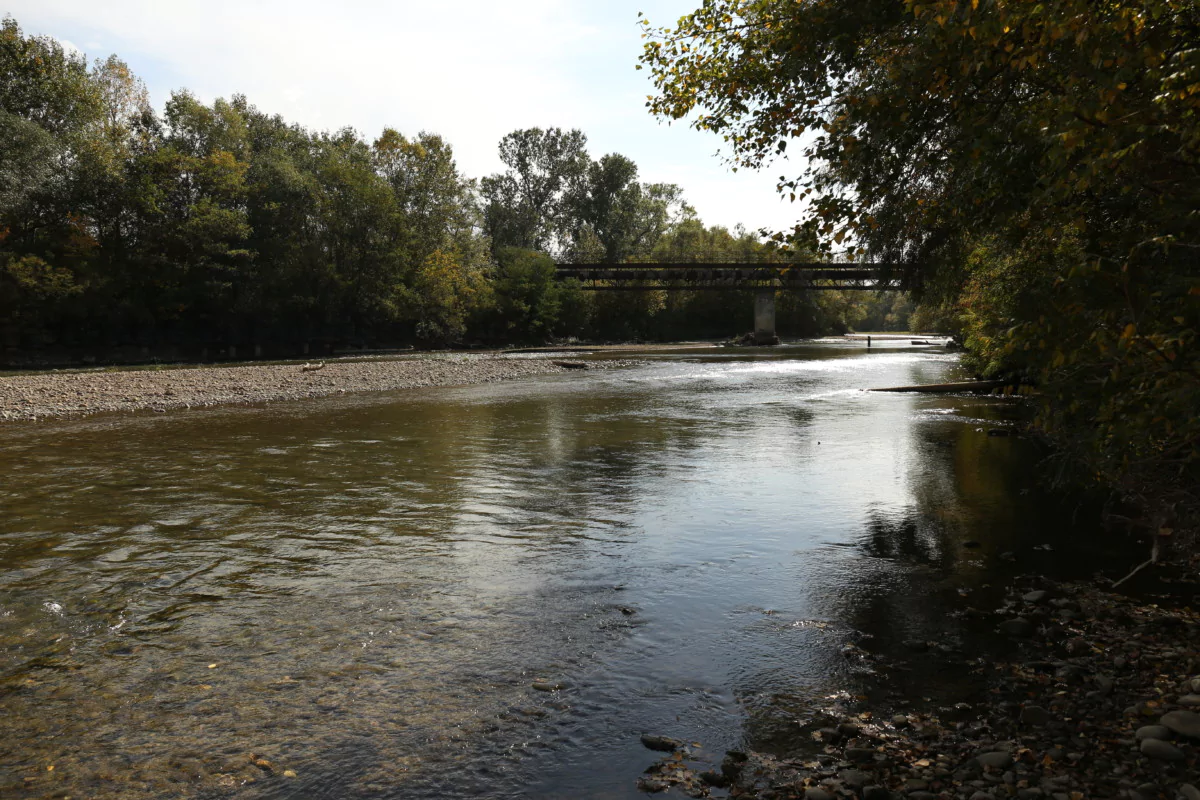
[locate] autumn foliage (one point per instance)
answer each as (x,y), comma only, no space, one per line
(1034,168)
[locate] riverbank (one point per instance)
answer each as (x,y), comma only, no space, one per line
(79,393)
(1101,699)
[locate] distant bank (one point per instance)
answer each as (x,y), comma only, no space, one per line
(79,393)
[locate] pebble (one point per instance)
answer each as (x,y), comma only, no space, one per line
(661,743)
(817,794)
(1185,723)
(1164,751)
(1190,700)
(1017,627)
(995,760)
(854,777)
(1035,715)
(1189,792)
(1036,596)
(1152,732)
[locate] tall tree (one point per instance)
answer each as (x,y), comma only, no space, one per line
(626,217)
(527,206)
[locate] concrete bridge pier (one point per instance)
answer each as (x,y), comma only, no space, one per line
(764,317)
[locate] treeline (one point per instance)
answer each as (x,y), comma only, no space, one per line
(215,225)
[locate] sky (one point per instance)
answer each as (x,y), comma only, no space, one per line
(470,70)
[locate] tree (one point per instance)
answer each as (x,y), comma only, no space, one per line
(1034,165)
(528,296)
(626,217)
(527,206)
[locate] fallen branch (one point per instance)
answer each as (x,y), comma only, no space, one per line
(1136,570)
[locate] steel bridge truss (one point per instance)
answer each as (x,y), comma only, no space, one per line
(733,276)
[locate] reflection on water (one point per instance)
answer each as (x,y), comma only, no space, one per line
(368,597)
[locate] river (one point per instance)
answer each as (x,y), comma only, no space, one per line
(371,595)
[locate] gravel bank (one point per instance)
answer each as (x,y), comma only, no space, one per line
(67,394)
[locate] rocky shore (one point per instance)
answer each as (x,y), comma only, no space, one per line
(66,394)
(1102,701)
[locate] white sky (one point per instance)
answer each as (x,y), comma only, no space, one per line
(470,70)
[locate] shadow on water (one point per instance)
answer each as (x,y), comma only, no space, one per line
(492,591)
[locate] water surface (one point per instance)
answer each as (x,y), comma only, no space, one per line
(363,592)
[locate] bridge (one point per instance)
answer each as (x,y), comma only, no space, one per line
(764,279)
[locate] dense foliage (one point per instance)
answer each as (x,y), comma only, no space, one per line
(1034,168)
(215,226)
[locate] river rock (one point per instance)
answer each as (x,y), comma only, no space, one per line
(854,777)
(860,754)
(663,744)
(1035,715)
(880,793)
(1189,792)
(1164,751)
(1152,732)
(1035,597)
(996,760)
(1018,627)
(817,794)
(1185,723)
(1190,700)
(982,795)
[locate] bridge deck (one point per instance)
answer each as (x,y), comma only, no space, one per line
(732,276)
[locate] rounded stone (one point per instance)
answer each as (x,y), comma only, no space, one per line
(1185,723)
(1163,751)
(854,777)
(996,760)
(1018,627)
(1152,732)
(859,754)
(663,744)
(1035,715)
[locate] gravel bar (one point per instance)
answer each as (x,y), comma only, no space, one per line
(70,394)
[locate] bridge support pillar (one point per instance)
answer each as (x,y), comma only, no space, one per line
(764,317)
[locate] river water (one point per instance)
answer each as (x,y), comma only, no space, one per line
(371,595)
